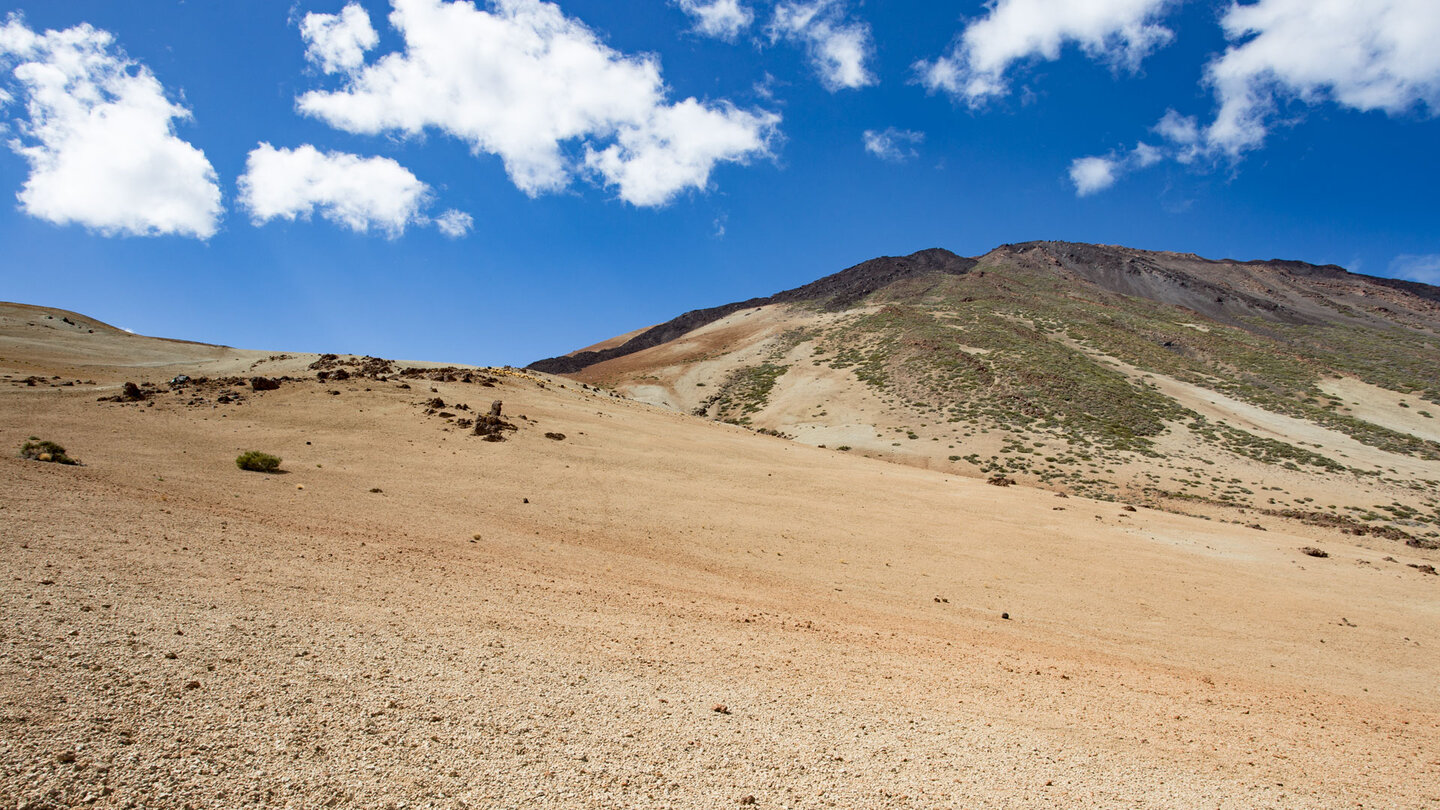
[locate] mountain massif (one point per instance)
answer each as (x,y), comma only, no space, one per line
(488,587)
(1221,388)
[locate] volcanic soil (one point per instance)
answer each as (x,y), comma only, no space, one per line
(653,611)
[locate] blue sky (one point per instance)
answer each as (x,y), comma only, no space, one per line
(495,183)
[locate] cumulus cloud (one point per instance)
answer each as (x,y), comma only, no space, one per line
(454,224)
(1377,55)
(348,190)
(722,19)
(838,48)
(337,42)
(1417,267)
(526,83)
(1182,133)
(99,135)
(1119,32)
(1096,173)
(896,145)
(1092,174)
(1144,155)
(674,150)
(1373,57)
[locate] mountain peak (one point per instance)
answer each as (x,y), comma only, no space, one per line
(838,291)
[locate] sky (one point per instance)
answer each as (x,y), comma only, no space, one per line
(498,182)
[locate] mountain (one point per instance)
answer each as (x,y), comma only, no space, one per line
(835,292)
(1216,387)
(620,605)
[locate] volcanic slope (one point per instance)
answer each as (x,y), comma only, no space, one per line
(653,611)
(1243,391)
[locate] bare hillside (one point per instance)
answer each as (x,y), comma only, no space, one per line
(1235,390)
(653,611)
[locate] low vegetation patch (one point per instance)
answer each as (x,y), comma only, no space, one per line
(973,359)
(1346,524)
(746,391)
(256,461)
(39,449)
(1268,451)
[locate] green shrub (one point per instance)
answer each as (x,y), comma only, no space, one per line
(256,461)
(41,450)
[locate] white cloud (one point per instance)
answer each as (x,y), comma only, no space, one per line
(837,49)
(675,148)
(351,191)
(765,88)
(1422,267)
(1092,174)
(897,145)
(1376,55)
(100,139)
(1119,32)
(338,42)
(1144,155)
(722,19)
(454,224)
(523,82)
(1177,128)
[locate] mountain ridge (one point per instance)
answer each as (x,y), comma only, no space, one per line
(1157,275)
(1098,370)
(838,289)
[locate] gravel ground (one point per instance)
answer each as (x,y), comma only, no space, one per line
(655,612)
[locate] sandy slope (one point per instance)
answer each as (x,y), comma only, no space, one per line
(820,405)
(444,643)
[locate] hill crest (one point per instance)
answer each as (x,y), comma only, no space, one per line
(1185,382)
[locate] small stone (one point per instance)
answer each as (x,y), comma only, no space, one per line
(720,708)
(1005,616)
(192,685)
(65,757)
